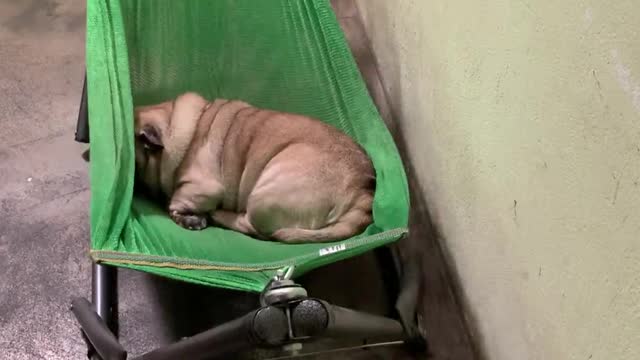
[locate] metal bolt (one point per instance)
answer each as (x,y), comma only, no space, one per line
(289,274)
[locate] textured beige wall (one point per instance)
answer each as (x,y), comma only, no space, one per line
(522,118)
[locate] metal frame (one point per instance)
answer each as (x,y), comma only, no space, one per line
(287,317)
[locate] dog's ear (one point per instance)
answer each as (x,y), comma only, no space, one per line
(151,138)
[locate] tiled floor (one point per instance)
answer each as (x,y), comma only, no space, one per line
(44,202)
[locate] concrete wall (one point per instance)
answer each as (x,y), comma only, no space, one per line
(522,120)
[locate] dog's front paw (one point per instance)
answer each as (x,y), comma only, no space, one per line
(189,221)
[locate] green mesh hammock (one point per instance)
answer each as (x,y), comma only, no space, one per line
(288,55)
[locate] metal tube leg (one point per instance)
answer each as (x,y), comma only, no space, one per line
(82,126)
(104,294)
(391,277)
(350,323)
(222,340)
(100,339)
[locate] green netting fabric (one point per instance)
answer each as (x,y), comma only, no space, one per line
(287,55)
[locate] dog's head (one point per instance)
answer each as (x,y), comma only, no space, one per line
(150,128)
(162,134)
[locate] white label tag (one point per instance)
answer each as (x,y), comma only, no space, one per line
(332,249)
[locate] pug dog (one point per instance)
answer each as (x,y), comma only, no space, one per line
(268,174)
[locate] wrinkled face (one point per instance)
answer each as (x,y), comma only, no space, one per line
(150,124)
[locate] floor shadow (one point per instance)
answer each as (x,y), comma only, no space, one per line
(188,309)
